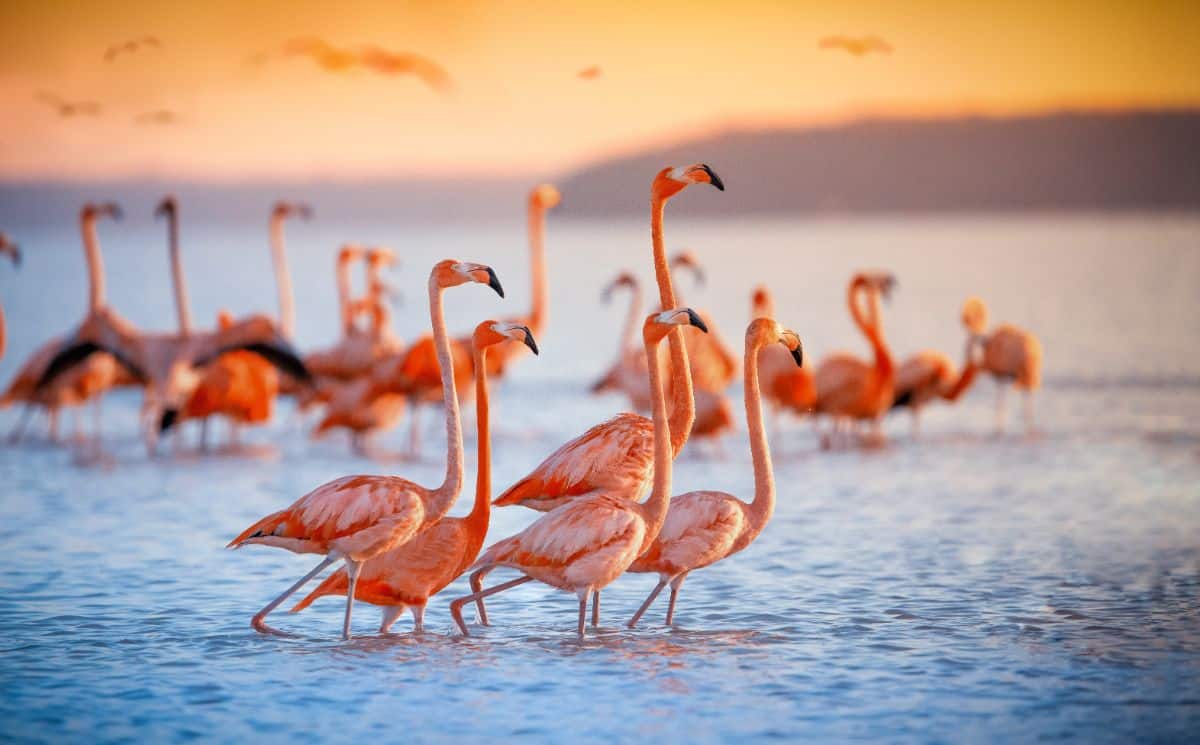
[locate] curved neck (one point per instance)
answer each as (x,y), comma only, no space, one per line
(537,259)
(965,378)
(95,263)
(283,278)
(683,405)
(483,471)
(182,307)
(654,509)
(344,299)
(629,331)
(452,484)
(763,505)
(870,325)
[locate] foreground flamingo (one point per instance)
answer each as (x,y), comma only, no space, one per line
(356,518)
(408,576)
(848,388)
(585,544)
(785,386)
(703,527)
(615,457)
(1012,355)
(14,253)
(91,377)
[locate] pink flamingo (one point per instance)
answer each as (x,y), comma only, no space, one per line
(1012,355)
(785,386)
(14,253)
(929,375)
(585,544)
(704,527)
(408,576)
(356,518)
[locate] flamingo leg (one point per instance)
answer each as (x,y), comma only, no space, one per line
(675,585)
(647,602)
(391,614)
(457,604)
(583,602)
(258,622)
(916,424)
(19,429)
(96,417)
(1029,428)
(476,587)
(352,571)
(204,435)
(1000,391)
(595,609)
(419,619)
(53,412)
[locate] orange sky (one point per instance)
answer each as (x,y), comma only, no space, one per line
(669,69)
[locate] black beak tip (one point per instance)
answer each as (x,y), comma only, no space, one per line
(168,420)
(715,179)
(798,356)
(696,320)
(530,341)
(494,282)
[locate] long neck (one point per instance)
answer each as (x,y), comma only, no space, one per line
(537,258)
(95,263)
(283,278)
(763,505)
(870,327)
(182,307)
(343,283)
(654,509)
(683,406)
(452,484)
(483,473)
(629,332)
(965,378)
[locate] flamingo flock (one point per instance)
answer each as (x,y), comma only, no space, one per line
(605,495)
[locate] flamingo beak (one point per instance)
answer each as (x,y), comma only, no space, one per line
(798,355)
(169,417)
(695,320)
(529,340)
(713,178)
(494,281)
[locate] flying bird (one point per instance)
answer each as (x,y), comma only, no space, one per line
(590,73)
(858,46)
(329,57)
(161,117)
(68,109)
(130,47)
(406,63)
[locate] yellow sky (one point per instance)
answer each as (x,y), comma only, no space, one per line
(669,69)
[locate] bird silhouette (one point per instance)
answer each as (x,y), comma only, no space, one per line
(589,73)
(66,108)
(159,117)
(858,46)
(131,46)
(375,59)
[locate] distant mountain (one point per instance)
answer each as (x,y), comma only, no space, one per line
(1142,160)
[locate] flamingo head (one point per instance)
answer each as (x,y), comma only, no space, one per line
(671,181)
(10,248)
(493,332)
(687,259)
(283,210)
(452,273)
(624,279)
(224,319)
(975,316)
(659,325)
(168,207)
(378,256)
(761,302)
(877,281)
(93,211)
(765,330)
(350,252)
(544,196)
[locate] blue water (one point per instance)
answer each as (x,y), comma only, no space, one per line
(960,587)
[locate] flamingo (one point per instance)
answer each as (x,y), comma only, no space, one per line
(849,388)
(704,527)
(585,544)
(930,374)
(714,365)
(14,253)
(541,198)
(356,518)
(93,376)
(785,386)
(406,577)
(615,457)
(1012,355)
(627,373)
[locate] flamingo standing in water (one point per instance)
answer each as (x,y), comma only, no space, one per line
(850,389)
(408,576)
(703,527)
(1012,355)
(92,377)
(785,386)
(627,374)
(356,518)
(14,252)
(930,374)
(585,544)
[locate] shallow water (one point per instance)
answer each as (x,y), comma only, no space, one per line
(960,587)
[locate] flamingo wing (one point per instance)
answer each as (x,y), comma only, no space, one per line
(615,457)
(355,516)
(702,527)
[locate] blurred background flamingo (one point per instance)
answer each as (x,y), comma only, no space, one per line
(1011,355)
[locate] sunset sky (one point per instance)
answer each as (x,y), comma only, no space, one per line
(517,105)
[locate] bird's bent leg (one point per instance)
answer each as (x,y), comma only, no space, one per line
(352,570)
(675,585)
(647,602)
(391,614)
(457,604)
(258,623)
(418,618)
(595,609)
(477,586)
